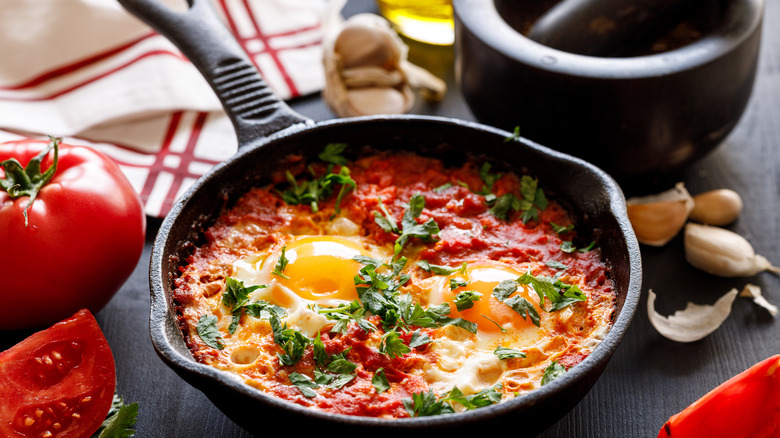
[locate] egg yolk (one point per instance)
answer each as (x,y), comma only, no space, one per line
(488,312)
(321,267)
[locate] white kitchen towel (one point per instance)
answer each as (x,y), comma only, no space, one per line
(88,71)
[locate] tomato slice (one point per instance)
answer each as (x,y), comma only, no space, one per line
(58,382)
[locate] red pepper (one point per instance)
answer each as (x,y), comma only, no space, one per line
(747,405)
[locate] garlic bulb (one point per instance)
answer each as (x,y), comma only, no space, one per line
(716,207)
(367,71)
(721,252)
(656,219)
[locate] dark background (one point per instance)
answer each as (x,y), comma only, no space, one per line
(649,378)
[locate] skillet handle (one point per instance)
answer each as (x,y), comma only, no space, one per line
(202,37)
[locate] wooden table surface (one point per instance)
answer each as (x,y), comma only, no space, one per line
(649,377)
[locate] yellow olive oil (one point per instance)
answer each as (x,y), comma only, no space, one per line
(428,21)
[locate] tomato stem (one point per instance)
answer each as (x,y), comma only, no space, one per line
(29,181)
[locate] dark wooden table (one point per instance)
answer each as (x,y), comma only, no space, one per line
(649,377)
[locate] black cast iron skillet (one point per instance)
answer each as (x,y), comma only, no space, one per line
(268,130)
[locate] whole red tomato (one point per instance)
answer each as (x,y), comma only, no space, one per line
(75,244)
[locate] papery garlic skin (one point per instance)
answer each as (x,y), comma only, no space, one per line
(366,68)
(657,219)
(716,207)
(693,323)
(722,252)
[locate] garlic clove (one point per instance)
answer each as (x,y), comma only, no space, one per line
(693,323)
(716,207)
(371,76)
(722,252)
(364,42)
(657,219)
(376,100)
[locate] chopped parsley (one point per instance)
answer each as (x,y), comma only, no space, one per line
(560,294)
(392,345)
(426,404)
(410,228)
(457,282)
(518,303)
(344,314)
(466,299)
(319,188)
(556,265)
(332,371)
(560,229)
(378,290)
(119,420)
(530,202)
(515,135)
(485,397)
(569,247)
(441,269)
(208,332)
(508,353)
(380,382)
(552,372)
(292,342)
(236,297)
(281,264)
(333,154)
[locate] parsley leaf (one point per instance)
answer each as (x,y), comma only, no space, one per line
(466,299)
(304,384)
(392,345)
(119,420)
(515,135)
(292,342)
(332,153)
(508,353)
(236,297)
(556,264)
(208,331)
(320,188)
(457,282)
(411,228)
(505,205)
(518,303)
(419,339)
(559,293)
(552,372)
(532,200)
(380,382)
(485,397)
(560,229)
(488,179)
(440,269)
(344,314)
(281,264)
(424,404)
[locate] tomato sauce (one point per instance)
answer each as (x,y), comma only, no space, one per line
(469,231)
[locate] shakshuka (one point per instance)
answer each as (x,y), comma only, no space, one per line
(394,286)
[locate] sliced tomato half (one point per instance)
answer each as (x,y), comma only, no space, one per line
(57,383)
